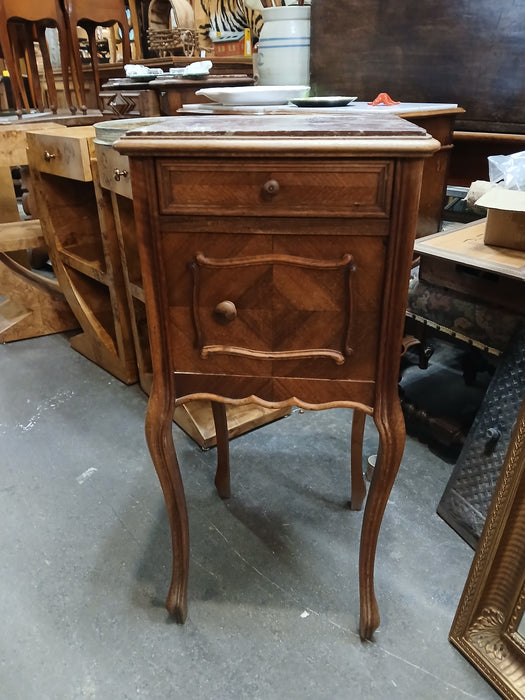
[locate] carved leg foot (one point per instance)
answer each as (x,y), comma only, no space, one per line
(358,485)
(222,475)
(369,620)
(176,604)
(160,442)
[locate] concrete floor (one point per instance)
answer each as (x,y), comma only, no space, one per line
(273,598)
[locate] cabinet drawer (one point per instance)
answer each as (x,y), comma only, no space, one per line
(65,155)
(358,188)
(113,170)
(13,140)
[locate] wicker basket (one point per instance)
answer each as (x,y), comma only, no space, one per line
(169,42)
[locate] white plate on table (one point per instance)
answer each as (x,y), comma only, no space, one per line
(336,101)
(255,94)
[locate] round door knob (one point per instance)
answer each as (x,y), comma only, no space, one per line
(117,174)
(271,187)
(49,156)
(225,312)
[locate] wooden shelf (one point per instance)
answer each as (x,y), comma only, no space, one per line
(91,268)
(85,260)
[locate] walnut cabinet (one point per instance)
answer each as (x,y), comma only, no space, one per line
(275,254)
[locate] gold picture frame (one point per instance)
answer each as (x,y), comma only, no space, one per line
(489,626)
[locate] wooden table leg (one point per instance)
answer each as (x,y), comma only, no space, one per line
(15,32)
(222,475)
(358,486)
(32,69)
(159,436)
(132,4)
(90,27)
(48,68)
(391,428)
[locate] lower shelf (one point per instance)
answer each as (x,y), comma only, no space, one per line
(196,419)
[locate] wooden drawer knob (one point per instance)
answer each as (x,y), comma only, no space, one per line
(271,187)
(49,156)
(225,312)
(117,174)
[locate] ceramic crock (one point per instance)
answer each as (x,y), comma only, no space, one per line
(283,53)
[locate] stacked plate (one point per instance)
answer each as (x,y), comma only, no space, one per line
(255,94)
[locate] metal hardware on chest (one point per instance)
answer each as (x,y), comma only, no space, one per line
(117,174)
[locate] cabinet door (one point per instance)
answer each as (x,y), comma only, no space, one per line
(274,305)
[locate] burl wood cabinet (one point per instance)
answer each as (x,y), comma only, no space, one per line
(275,254)
(86,260)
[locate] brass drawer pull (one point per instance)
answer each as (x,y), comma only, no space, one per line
(225,312)
(49,156)
(271,188)
(117,174)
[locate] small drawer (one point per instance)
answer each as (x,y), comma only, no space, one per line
(306,189)
(64,155)
(13,140)
(113,170)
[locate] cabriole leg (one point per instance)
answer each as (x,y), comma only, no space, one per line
(391,428)
(160,442)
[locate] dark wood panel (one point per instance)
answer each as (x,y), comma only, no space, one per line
(471,152)
(468,52)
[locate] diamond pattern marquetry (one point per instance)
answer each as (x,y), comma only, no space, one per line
(118,103)
(288,315)
(284,311)
(273,318)
(297,321)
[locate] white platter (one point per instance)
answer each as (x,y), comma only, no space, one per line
(255,94)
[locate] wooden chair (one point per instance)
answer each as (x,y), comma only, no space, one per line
(19,95)
(21,21)
(90,14)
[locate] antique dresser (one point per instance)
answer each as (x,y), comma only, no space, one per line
(275,254)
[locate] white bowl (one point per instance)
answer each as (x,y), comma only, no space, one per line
(255,94)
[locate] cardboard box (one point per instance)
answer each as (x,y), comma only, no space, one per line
(229,48)
(505,217)
(232,44)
